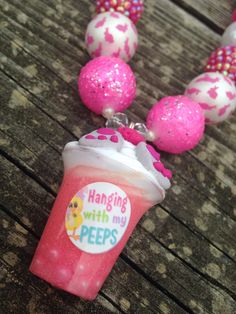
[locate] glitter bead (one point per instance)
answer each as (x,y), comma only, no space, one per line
(223,60)
(177,123)
(132,8)
(107,82)
(215,93)
(229,36)
(111,34)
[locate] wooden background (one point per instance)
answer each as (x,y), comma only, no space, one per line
(182,256)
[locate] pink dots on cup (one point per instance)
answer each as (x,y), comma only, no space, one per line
(153,152)
(114,139)
(90,137)
(106,131)
(102,137)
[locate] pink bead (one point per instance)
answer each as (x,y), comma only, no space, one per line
(153,152)
(111,34)
(131,8)
(177,123)
(106,131)
(107,82)
(223,60)
(90,137)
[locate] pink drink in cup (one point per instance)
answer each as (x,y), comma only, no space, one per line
(108,185)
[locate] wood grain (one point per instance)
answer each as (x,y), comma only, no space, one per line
(182,256)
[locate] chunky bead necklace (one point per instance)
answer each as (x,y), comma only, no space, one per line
(112,175)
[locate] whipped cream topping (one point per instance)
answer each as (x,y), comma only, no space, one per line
(110,144)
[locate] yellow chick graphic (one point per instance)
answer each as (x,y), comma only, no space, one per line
(74,218)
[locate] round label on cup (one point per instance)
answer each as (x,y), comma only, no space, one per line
(97,217)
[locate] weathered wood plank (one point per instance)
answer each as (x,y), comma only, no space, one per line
(215,13)
(42,52)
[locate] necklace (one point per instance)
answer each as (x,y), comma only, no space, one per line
(112,175)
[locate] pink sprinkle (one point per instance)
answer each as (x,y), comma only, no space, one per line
(122,28)
(158,166)
(205,106)
(212,92)
(90,137)
(114,139)
(207,78)
(116,16)
(153,152)
(106,131)
(131,135)
(193,90)
(108,36)
(223,110)
(100,23)
(102,137)
(230,95)
(167,173)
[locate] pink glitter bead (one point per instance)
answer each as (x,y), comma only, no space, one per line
(223,60)
(131,8)
(177,122)
(107,82)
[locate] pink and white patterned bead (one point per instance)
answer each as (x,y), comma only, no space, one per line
(215,93)
(111,34)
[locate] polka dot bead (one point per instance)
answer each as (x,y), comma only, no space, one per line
(111,34)
(177,124)
(215,93)
(132,8)
(223,60)
(107,83)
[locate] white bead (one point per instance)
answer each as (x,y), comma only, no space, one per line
(111,34)
(215,93)
(229,36)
